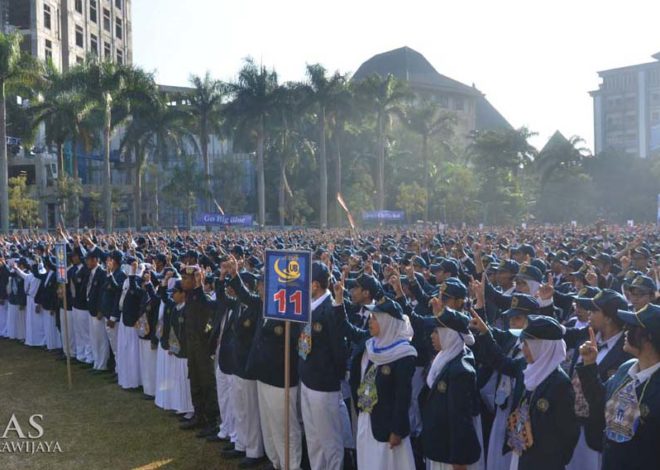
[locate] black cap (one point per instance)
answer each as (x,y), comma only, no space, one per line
(387,306)
(454,288)
(509,265)
(644,252)
(610,302)
(530,273)
(647,318)
(419,261)
(449,266)
(542,327)
(370,284)
(117,256)
(451,319)
(320,272)
(237,250)
(191,254)
(522,304)
(644,283)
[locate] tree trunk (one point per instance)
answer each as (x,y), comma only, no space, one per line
(137,194)
(261,181)
(4,168)
(60,186)
(380,179)
(427,189)
(338,211)
(76,196)
(207,167)
(107,190)
(282,194)
(157,198)
(323,163)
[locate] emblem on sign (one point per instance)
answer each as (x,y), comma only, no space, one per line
(290,273)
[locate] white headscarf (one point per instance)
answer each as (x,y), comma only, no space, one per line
(547,355)
(393,341)
(452,343)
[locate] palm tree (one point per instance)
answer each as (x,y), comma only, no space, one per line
(15,69)
(253,103)
(383,96)
(205,101)
(323,91)
(559,153)
(111,88)
(427,120)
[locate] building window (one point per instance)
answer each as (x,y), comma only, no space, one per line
(459,105)
(118,4)
(47,23)
(79,6)
(92,10)
(79,36)
(107,50)
(119,28)
(49,50)
(120,57)
(106,19)
(94,44)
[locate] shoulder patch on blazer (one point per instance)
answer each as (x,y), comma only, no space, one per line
(247,323)
(317,327)
(442,386)
(278,330)
(385,370)
(644,410)
(542,405)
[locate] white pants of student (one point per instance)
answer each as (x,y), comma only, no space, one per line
(81,322)
(53,340)
(478,465)
(148,358)
(66,331)
(181,396)
(165,364)
(112,333)
(3,319)
(584,457)
(223,382)
(323,425)
(127,355)
(496,460)
(414,412)
(34,324)
(16,322)
(245,399)
(99,342)
(375,455)
(271,411)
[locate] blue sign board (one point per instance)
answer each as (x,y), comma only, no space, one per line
(393,216)
(219,219)
(288,285)
(60,256)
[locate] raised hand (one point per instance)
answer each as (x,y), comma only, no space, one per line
(592,278)
(338,287)
(589,349)
(477,323)
(547,290)
(436,306)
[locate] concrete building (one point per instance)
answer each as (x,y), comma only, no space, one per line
(472,109)
(627,109)
(66,31)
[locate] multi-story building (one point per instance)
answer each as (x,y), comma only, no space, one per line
(470,106)
(66,31)
(627,109)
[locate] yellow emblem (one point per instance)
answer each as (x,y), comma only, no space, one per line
(582,291)
(542,405)
(317,327)
(644,410)
(247,323)
(385,370)
(598,296)
(278,330)
(290,274)
(442,386)
(514,302)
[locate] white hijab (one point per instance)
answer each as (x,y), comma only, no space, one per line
(547,355)
(393,341)
(452,343)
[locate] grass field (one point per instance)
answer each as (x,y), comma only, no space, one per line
(96,424)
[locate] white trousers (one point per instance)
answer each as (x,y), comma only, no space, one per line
(375,455)
(584,457)
(245,399)
(182,399)
(127,356)
(53,340)
(16,322)
(223,383)
(148,358)
(99,343)
(323,425)
(3,319)
(164,379)
(271,411)
(112,334)
(81,322)
(69,350)
(34,324)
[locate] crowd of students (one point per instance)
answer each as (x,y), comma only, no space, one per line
(509,349)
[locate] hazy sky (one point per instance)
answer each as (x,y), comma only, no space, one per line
(534,60)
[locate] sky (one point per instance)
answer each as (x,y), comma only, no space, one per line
(535,60)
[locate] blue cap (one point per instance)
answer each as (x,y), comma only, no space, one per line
(610,302)
(449,266)
(647,318)
(320,271)
(644,283)
(530,273)
(387,306)
(453,288)
(449,318)
(509,265)
(522,304)
(542,327)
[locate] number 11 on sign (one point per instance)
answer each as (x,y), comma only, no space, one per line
(296,299)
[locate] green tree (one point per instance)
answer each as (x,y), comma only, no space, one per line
(411,199)
(23,209)
(183,188)
(247,114)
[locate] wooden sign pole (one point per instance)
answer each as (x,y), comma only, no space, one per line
(66,339)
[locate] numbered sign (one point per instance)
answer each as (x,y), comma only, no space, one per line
(288,285)
(60,256)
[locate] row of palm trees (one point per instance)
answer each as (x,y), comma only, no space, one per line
(289,121)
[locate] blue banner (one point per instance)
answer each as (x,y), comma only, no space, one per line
(60,256)
(393,216)
(219,219)
(288,285)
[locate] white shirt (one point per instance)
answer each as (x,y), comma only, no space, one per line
(642,376)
